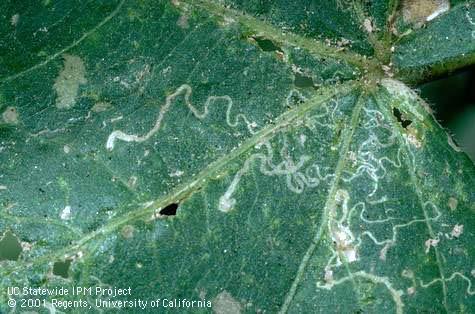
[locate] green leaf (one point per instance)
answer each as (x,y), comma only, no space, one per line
(445,44)
(251,155)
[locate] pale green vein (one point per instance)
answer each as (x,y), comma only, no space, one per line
(394,5)
(412,176)
(67,48)
(381,49)
(329,203)
(34,220)
(261,28)
(185,190)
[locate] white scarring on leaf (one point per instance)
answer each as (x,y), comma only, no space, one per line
(66,213)
(328,275)
(26,246)
(400,91)
(457,231)
(453,203)
(396,294)
(177,173)
(10,115)
(224,303)
(128,231)
(184,90)
(469,18)
(101,106)
(132,182)
(469,290)
(115,119)
(411,138)
(302,139)
(407,273)
(14,20)
(368,25)
(431,243)
(183,22)
(297,180)
(67,83)
(340,231)
(227,20)
(384,250)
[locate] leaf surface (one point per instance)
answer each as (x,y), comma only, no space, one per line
(445,43)
(257,155)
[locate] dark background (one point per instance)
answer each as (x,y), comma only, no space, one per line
(453,100)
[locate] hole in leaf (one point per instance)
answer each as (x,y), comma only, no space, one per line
(303,81)
(169,210)
(404,123)
(61,268)
(266,44)
(10,248)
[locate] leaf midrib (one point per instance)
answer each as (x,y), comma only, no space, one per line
(313,46)
(329,203)
(417,188)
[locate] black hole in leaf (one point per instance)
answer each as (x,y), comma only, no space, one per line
(10,248)
(266,44)
(61,268)
(169,210)
(303,80)
(404,123)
